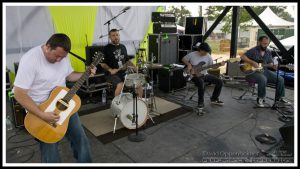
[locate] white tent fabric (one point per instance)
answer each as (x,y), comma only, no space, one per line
(134,24)
(26,27)
(29,26)
(270,19)
(287,42)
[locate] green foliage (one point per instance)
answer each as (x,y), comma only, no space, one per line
(214,11)
(180,14)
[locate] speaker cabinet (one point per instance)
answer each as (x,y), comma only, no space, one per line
(19,113)
(287,134)
(195,25)
(163,48)
(171,79)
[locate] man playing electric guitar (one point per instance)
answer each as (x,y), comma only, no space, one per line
(194,58)
(259,54)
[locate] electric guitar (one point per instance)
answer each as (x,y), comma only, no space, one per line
(248,69)
(196,70)
(62,101)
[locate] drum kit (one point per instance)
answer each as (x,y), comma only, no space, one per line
(131,110)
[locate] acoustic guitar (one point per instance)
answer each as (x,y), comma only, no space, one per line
(248,69)
(62,101)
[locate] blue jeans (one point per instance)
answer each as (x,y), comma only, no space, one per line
(79,144)
(267,77)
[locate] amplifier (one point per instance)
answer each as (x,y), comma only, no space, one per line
(171,79)
(164,28)
(90,52)
(163,17)
(19,112)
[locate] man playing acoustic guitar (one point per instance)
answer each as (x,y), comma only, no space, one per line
(257,55)
(42,69)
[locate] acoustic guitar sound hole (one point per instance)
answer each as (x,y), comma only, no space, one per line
(62,105)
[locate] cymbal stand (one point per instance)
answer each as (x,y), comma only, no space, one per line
(153,107)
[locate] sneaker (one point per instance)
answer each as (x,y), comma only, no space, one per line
(200,106)
(217,102)
(284,101)
(260,102)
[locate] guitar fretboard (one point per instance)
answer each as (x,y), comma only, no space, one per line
(77,85)
(210,66)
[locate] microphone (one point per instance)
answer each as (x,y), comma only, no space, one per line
(126,8)
(273,47)
(102,36)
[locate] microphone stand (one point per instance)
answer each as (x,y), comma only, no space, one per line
(283,117)
(78,57)
(108,22)
(275,106)
(135,137)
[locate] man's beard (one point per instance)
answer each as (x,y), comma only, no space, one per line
(263,48)
(115,42)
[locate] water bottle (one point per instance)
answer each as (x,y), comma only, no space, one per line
(104,96)
(9,125)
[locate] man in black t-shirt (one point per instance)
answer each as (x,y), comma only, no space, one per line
(114,63)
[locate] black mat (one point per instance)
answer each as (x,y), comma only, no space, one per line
(123,132)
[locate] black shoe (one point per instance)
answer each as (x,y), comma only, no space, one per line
(217,102)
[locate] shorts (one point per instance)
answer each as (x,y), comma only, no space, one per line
(115,79)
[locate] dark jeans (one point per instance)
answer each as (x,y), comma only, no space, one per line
(79,144)
(268,76)
(211,79)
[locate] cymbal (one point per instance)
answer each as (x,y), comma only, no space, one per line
(154,66)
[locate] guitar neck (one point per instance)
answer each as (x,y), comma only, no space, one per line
(270,66)
(77,85)
(211,66)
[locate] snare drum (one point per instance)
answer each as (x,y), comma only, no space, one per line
(123,109)
(135,79)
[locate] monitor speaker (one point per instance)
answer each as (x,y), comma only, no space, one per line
(287,134)
(195,25)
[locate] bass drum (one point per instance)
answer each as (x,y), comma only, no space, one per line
(123,109)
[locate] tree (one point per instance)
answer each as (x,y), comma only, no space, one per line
(180,14)
(281,12)
(214,11)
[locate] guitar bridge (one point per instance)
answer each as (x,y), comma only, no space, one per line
(53,125)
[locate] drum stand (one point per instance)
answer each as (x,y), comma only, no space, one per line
(116,117)
(148,105)
(152,96)
(135,137)
(141,61)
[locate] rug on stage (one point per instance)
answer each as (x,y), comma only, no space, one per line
(101,123)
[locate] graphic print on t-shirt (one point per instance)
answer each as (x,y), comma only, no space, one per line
(117,54)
